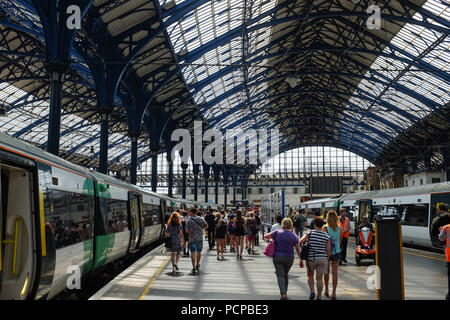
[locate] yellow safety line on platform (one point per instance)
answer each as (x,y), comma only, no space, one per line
(153,279)
(420,255)
(415,254)
(353,294)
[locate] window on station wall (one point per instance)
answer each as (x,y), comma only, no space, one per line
(316,161)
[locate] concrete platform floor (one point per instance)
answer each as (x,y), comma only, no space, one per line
(253,278)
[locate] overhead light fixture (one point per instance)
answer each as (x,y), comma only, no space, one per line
(169,4)
(292,81)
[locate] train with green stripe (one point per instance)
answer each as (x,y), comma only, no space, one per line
(58,220)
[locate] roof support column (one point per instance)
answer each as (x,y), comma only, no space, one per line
(206,176)
(57,71)
(104,126)
(184,167)
(234,179)
(216,171)
(196,171)
(170,176)
(54,15)
(225,174)
(133,165)
(154,156)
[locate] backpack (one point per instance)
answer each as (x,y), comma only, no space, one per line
(332,242)
(297,222)
(304,248)
(252,227)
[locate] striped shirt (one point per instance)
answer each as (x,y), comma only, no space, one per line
(318,245)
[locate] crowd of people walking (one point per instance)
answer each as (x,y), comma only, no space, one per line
(320,249)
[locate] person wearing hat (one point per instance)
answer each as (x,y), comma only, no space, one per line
(345,224)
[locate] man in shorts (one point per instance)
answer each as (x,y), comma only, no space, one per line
(318,257)
(194,227)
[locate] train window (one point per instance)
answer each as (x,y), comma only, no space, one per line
(117,216)
(416,215)
(151,214)
(62,217)
(79,216)
(71,218)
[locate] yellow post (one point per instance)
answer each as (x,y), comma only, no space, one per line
(42,218)
(16,235)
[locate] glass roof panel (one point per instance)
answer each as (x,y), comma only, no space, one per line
(213,20)
(405,87)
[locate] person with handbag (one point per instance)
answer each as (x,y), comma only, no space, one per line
(175,242)
(283,255)
(318,256)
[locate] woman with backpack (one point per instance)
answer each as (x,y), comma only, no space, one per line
(221,231)
(283,257)
(333,228)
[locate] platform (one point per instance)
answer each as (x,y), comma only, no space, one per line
(253,278)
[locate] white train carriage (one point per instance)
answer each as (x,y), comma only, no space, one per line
(416,206)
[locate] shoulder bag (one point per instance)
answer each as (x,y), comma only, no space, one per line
(304,248)
(270,248)
(168,241)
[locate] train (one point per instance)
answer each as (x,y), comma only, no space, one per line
(416,206)
(57,217)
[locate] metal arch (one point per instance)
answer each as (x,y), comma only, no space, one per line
(58,42)
(191,57)
(228,69)
(275,108)
(342,134)
(192,1)
(332,139)
(34,31)
(368,97)
(372,115)
(400,88)
(195,54)
(341,121)
(176,14)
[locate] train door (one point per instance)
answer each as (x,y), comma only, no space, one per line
(135,221)
(17,221)
(364,210)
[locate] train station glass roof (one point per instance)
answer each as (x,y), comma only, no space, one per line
(311,69)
